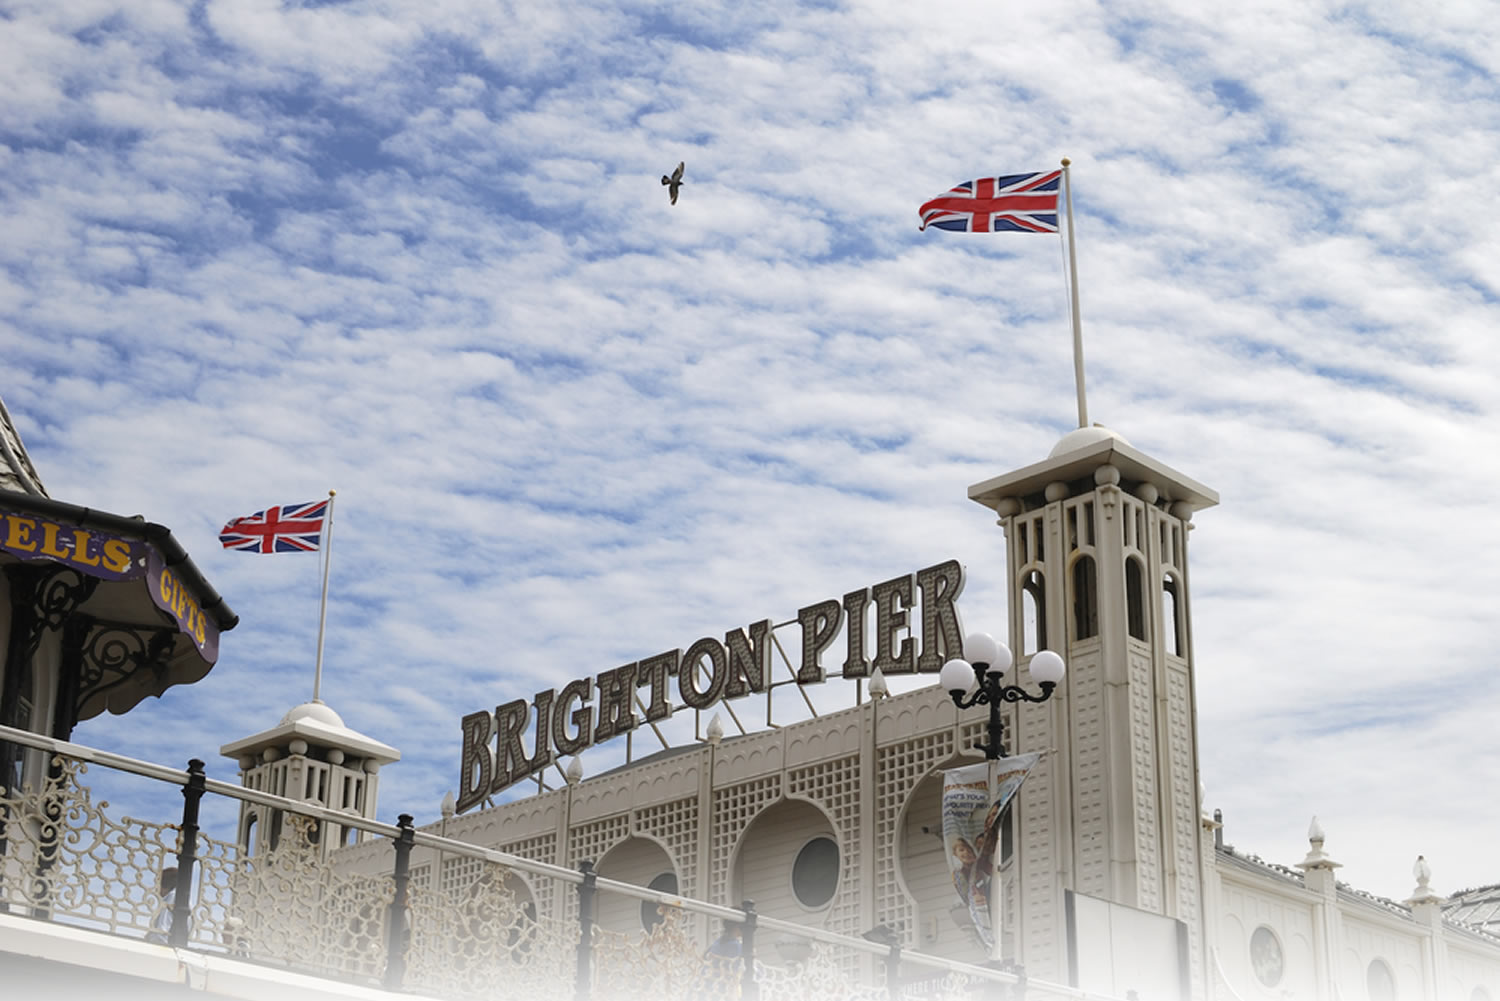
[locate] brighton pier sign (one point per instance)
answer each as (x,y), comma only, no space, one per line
(589,711)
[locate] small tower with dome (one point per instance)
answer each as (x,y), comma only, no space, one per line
(312,757)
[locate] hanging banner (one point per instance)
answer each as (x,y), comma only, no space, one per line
(974,796)
(113,558)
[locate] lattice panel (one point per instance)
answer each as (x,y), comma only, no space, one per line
(421,877)
(1143,778)
(540,848)
(460,873)
(1034,907)
(734,808)
(834,785)
(1086,696)
(591,841)
(900,766)
(675,825)
(1185,809)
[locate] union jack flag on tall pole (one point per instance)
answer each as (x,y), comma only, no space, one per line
(290,528)
(1015,203)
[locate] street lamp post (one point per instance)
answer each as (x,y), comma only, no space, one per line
(978,679)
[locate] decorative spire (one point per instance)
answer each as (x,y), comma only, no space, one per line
(715,730)
(879,687)
(1424,893)
(1316,857)
(574,774)
(449,806)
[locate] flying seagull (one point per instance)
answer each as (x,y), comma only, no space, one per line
(674,182)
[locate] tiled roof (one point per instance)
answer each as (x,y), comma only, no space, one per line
(16,471)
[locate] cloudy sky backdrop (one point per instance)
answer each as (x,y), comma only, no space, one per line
(419,253)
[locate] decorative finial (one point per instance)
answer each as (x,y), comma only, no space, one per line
(449,807)
(1066,162)
(574,774)
(1316,857)
(715,730)
(879,687)
(1424,893)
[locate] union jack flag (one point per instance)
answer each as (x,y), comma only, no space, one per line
(287,528)
(1022,203)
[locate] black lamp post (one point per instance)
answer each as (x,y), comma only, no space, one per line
(977,679)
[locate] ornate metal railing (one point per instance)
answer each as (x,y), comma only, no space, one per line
(64,859)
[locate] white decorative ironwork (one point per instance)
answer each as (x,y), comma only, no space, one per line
(295,909)
(472,935)
(63,858)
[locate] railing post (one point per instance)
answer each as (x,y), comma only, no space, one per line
(583,978)
(749,989)
(395,948)
(187,855)
(893,972)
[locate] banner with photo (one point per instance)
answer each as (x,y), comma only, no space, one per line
(973,798)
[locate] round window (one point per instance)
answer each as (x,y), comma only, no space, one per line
(1379,981)
(1265,956)
(650,909)
(815,873)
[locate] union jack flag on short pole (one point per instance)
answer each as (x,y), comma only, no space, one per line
(1020,203)
(286,528)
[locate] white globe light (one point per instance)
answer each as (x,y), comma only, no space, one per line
(1047,666)
(956,676)
(982,648)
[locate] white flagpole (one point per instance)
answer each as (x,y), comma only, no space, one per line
(323,610)
(1083,410)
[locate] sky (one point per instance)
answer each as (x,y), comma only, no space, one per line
(420,254)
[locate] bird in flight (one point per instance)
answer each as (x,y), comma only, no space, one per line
(674,182)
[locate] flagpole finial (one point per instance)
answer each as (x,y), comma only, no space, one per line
(332,492)
(1066,162)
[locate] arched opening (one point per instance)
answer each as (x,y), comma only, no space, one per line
(783,865)
(1171,624)
(1033,612)
(1135,599)
(651,914)
(1085,598)
(943,925)
(642,862)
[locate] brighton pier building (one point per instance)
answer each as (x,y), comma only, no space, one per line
(818,840)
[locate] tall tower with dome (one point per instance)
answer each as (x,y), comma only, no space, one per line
(1096,541)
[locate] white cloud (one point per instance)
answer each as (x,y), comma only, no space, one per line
(423,257)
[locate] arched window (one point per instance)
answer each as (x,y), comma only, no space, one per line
(1135,599)
(1034,611)
(1085,598)
(1380,983)
(1171,628)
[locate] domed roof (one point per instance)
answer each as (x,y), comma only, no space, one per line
(315,711)
(1079,437)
